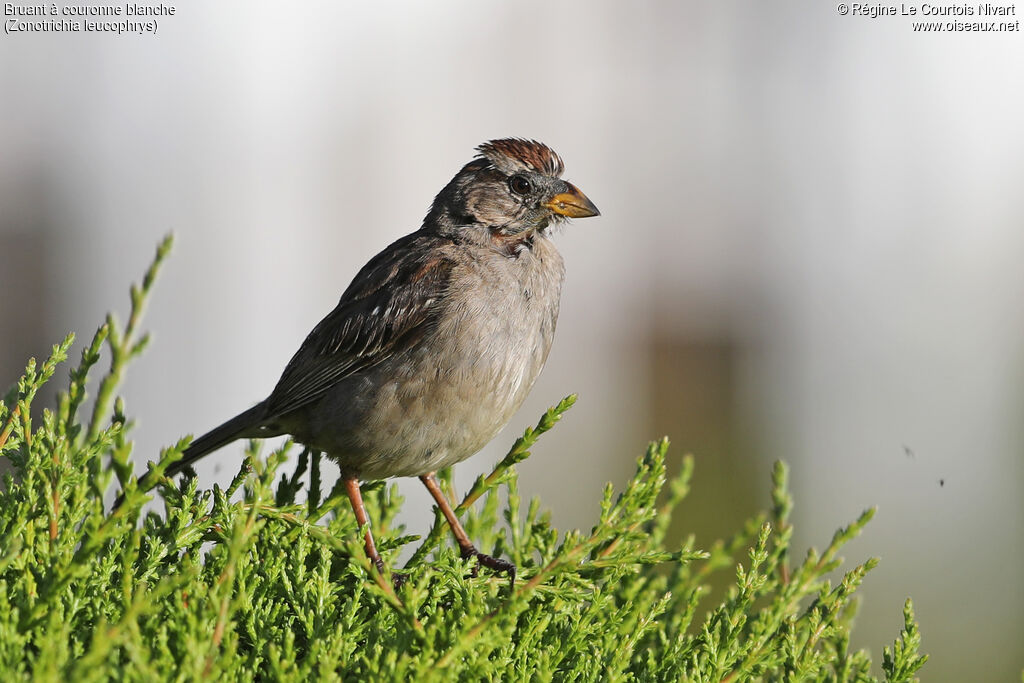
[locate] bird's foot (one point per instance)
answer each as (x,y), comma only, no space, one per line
(398,579)
(495,563)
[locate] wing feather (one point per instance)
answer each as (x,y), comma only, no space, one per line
(391,304)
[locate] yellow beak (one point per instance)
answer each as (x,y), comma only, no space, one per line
(572,203)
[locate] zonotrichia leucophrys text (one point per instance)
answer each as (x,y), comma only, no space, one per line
(438,339)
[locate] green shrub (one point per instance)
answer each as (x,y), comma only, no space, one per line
(259,582)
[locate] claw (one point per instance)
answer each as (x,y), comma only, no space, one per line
(398,579)
(468,549)
(495,563)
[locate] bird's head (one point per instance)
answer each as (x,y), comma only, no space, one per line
(511,189)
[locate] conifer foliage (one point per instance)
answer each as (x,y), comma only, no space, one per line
(267,579)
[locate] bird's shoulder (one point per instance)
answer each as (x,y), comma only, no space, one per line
(418,260)
(391,303)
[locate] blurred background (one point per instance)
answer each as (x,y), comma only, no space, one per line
(810,248)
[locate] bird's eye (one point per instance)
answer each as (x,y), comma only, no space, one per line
(520,184)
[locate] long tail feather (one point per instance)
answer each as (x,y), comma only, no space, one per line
(239,426)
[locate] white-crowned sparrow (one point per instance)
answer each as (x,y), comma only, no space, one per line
(438,339)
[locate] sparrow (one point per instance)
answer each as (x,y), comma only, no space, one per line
(436,342)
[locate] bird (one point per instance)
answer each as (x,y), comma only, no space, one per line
(437,340)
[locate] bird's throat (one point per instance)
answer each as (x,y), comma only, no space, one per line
(512,245)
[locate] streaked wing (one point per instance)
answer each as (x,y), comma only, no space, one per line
(391,303)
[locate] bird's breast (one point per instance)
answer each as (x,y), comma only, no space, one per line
(501,322)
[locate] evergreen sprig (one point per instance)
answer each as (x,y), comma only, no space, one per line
(258,581)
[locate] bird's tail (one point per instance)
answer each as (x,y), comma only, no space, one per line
(241,425)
